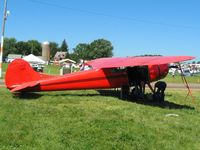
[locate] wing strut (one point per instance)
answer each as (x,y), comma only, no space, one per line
(186,84)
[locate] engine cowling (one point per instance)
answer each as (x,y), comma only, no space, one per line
(157,72)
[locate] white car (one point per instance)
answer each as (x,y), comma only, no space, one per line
(186,72)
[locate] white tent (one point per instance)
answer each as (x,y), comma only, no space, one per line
(33,59)
(67,61)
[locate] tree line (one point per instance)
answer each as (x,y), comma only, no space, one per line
(87,51)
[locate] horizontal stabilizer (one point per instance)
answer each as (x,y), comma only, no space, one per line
(21,75)
(25,86)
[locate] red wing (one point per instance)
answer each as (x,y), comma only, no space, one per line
(136,61)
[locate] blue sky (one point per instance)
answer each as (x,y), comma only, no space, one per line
(135,27)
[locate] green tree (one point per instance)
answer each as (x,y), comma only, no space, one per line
(23,48)
(64,47)
(9,46)
(35,47)
(97,49)
(100,48)
(81,51)
(53,49)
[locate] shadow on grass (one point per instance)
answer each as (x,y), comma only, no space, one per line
(35,96)
(146,101)
(113,93)
(71,94)
(27,96)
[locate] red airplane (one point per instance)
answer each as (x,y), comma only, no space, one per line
(104,73)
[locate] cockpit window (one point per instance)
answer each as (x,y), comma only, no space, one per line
(117,70)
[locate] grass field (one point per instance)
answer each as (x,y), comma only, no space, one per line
(98,120)
(51,69)
(177,79)
(4,68)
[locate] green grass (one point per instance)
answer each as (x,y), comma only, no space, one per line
(87,120)
(4,68)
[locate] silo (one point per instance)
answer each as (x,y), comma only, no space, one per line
(46,51)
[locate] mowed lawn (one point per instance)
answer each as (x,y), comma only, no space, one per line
(92,119)
(178,79)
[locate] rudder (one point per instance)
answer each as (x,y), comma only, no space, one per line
(19,72)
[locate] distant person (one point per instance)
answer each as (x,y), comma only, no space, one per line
(173,74)
(85,66)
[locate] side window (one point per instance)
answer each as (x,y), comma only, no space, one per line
(117,70)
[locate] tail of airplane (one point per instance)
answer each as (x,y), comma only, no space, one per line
(19,72)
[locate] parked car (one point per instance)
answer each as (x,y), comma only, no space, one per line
(38,67)
(185,72)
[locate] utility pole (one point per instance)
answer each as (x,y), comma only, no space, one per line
(2,35)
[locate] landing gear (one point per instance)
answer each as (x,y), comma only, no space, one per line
(125,92)
(138,77)
(138,92)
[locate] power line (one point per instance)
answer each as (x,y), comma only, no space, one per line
(113,16)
